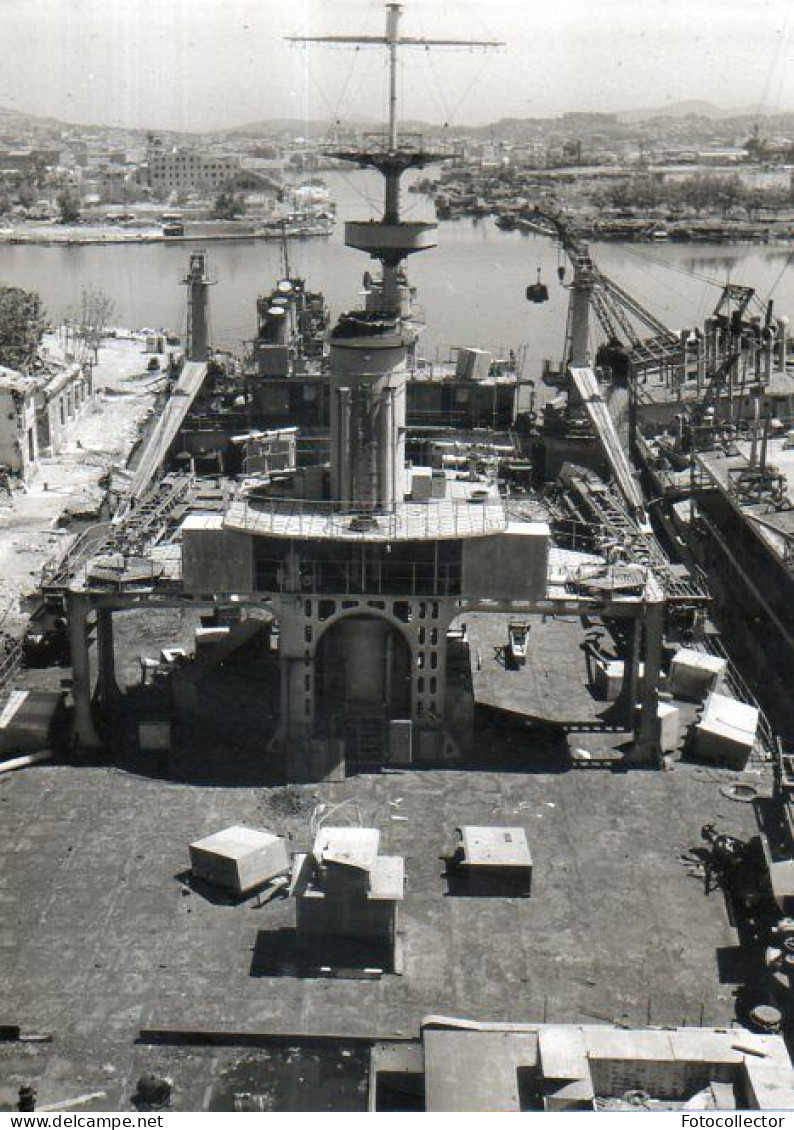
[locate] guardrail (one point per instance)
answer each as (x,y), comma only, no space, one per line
(392,521)
(57,572)
(9,666)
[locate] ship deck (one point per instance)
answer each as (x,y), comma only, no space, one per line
(470,509)
(101,937)
(775,525)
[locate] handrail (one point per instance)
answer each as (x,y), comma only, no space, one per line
(433,517)
(60,568)
(10,665)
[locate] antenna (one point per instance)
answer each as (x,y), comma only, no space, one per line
(391,240)
(392,40)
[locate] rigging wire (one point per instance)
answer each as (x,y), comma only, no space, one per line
(646,270)
(673,267)
(781,273)
(485,61)
(345,86)
(438,89)
(775,70)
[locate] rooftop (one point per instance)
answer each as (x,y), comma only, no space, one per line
(15,380)
(479,1067)
(236,842)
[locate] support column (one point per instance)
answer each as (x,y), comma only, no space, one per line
(632,390)
(84,732)
(632,672)
(782,342)
(647,748)
(107,687)
(296,714)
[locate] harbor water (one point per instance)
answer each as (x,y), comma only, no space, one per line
(471,288)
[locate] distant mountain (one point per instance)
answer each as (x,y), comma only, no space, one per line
(22,123)
(17,119)
(296,127)
(700,109)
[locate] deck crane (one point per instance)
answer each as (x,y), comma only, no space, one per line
(734,293)
(617,313)
(616,310)
(700,411)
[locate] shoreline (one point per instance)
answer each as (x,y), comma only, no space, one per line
(98,236)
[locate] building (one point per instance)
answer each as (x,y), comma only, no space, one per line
(38,412)
(745,519)
(185,170)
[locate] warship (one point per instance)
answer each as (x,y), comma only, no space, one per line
(347,600)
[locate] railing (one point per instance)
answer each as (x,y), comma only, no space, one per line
(369,521)
(135,573)
(59,570)
(10,665)
(380,142)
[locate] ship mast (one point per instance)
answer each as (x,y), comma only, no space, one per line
(392,159)
(371,349)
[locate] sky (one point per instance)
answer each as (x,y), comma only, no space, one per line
(202,65)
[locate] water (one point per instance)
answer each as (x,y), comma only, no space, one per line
(471,288)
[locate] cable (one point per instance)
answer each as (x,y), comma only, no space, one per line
(469,88)
(672,267)
(345,85)
(775,70)
(783,270)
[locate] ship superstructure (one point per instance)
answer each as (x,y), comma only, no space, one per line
(364,563)
(349,600)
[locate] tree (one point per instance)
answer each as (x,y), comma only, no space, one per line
(25,193)
(96,311)
(68,207)
(22,323)
(228,206)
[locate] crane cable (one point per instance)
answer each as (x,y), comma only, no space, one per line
(781,273)
(775,68)
(672,267)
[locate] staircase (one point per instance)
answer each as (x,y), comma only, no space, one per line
(366,739)
(599,503)
(210,655)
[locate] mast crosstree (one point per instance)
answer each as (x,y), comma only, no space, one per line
(391,240)
(392,41)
